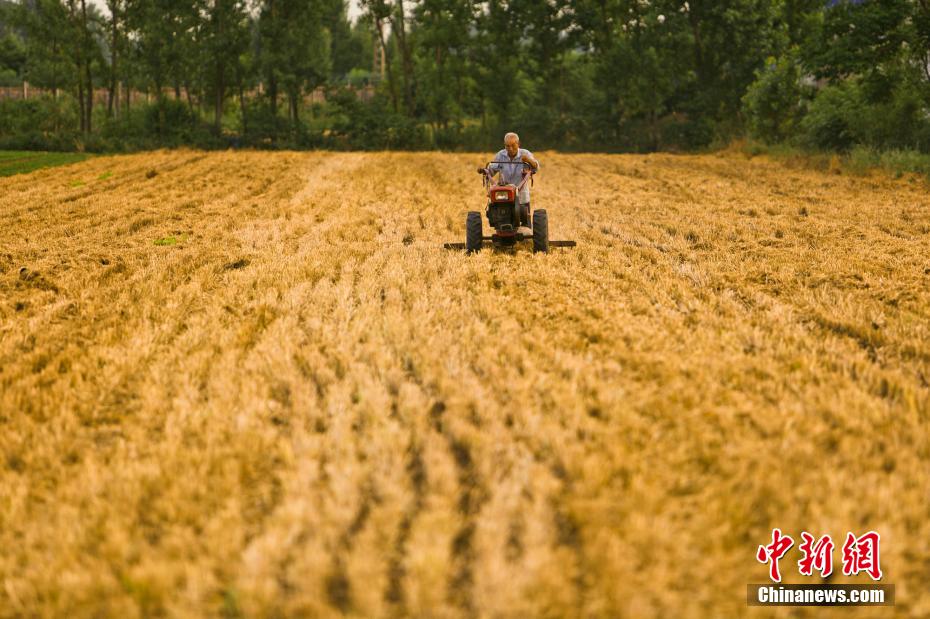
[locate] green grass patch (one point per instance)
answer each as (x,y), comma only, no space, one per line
(75,183)
(899,162)
(859,161)
(23,162)
(104,176)
(171,240)
(6,155)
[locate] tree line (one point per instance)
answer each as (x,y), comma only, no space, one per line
(574,74)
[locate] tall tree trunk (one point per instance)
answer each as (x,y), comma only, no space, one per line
(190,97)
(294,96)
(273,94)
(113,93)
(56,125)
(272,78)
(603,42)
(80,99)
(218,102)
(245,126)
(159,96)
(78,65)
(925,56)
(392,87)
(89,108)
(698,46)
(90,94)
(400,29)
(220,68)
(440,80)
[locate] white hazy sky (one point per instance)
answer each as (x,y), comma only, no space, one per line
(354,9)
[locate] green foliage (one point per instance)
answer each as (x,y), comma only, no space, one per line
(264,127)
(856,38)
(295,53)
(775,102)
(634,75)
(371,126)
(850,113)
(691,132)
(38,124)
(831,122)
(358,77)
(873,89)
(350,45)
(49,44)
(164,123)
(12,59)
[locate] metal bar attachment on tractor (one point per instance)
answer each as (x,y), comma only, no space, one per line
(488,240)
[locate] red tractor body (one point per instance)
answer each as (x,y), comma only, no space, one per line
(510,221)
(502,193)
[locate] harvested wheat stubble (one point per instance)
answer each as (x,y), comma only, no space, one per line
(302,406)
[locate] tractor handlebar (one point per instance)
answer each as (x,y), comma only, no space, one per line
(487,172)
(487,175)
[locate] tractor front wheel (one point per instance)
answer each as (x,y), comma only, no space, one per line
(473,232)
(540,231)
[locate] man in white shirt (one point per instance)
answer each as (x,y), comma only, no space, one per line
(513,174)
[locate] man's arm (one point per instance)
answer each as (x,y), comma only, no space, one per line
(530,159)
(493,167)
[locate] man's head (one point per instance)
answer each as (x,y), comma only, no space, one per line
(512,144)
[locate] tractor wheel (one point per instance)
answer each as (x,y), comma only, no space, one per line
(540,231)
(473,232)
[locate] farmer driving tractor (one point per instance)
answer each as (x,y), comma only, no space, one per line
(508,206)
(512,174)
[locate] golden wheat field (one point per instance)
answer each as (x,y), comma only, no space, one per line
(253,384)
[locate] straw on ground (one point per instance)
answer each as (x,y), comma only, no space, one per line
(252,384)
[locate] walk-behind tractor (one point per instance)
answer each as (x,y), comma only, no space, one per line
(509,219)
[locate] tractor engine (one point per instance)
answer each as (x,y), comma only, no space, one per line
(501,207)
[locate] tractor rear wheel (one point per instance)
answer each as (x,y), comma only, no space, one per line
(540,231)
(473,232)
